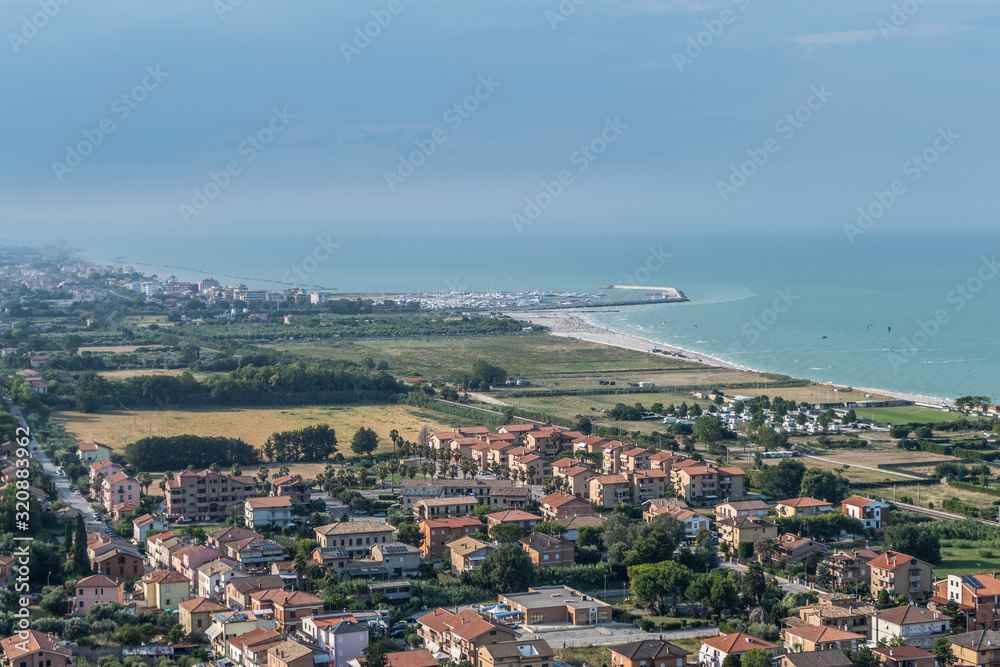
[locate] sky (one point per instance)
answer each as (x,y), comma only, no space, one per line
(253,117)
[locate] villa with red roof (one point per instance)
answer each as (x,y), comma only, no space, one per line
(873,514)
(803,507)
(714,650)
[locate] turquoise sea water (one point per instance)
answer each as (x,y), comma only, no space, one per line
(813,306)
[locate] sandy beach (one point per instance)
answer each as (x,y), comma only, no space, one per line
(569,324)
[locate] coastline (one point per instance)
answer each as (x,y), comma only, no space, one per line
(573,324)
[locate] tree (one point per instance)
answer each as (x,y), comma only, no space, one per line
(754,583)
(914,541)
(81,562)
(766,548)
(505,533)
(507,570)
(732,660)
(549,528)
(365,441)
(819,483)
(654,583)
(863,657)
(756,657)
(375,655)
(410,534)
(745,550)
(71,343)
(707,428)
(942,651)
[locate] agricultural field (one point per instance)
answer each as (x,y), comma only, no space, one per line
(116,349)
(966,557)
(138,372)
(252,425)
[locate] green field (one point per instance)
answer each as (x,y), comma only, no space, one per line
(955,560)
(532,355)
(907,414)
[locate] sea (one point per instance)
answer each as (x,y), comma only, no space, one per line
(915,314)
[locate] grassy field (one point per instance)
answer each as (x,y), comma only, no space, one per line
(252,425)
(595,656)
(521,356)
(906,414)
(969,560)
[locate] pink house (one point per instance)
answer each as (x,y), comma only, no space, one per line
(96,588)
(188,560)
(119,489)
(345,641)
(105,467)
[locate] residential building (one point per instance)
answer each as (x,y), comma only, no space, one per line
(517,517)
(438,532)
(290,653)
(559,505)
(392,590)
(558,604)
(212,578)
(119,563)
(344,639)
(460,635)
(220,537)
(94,589)
(572,524)
(795,548)
(665,460)
(188,560)
(536,468)
(714,650)
(815,659)
(841,611)
(253,551)
(647,484)
(467,554)
(980,648)
(291,607)
(578,480)
(229,624)
(293,488)
(333,557)
(648,653)
(240,589)
(418,658)
(269,511)
(803,507)
(692,521)
(357,537)
(909,656)
(547,551)
(250,649)
(745,529)
(705,484)
(91,452)
(977,595)
(435,508)
(900,574)
(851,567)
(99,470)
(165,589)
(205,494)
(917,626)
(609,490)
(396,559)
(527,653)
(820,638)
(874,514)
(120,488)
(34,650)
(145,523)
(195,615)
(734,510)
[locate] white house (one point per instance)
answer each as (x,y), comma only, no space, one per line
(918,626)
(271,510)
(714,650)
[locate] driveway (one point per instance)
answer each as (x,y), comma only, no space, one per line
(65,492)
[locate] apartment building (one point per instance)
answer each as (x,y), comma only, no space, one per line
(357,537)
(205,494)
(438,532)
(900,574)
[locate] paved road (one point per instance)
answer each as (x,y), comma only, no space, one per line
(66,492)
(784,584)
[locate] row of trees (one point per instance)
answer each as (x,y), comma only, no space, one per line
(312,443)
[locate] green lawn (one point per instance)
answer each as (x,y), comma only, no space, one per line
(955,560)
(906,414)
(595,656)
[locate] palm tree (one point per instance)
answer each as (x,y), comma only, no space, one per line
(262,474)
(521,475)
(393,466)
(394,436)
(236,470)
(299,565)
(531,472)
(766,548)
(456,455)
(215,467)
(145,480)
(382,471)
(425,468)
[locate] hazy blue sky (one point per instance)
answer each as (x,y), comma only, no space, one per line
(900,74)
